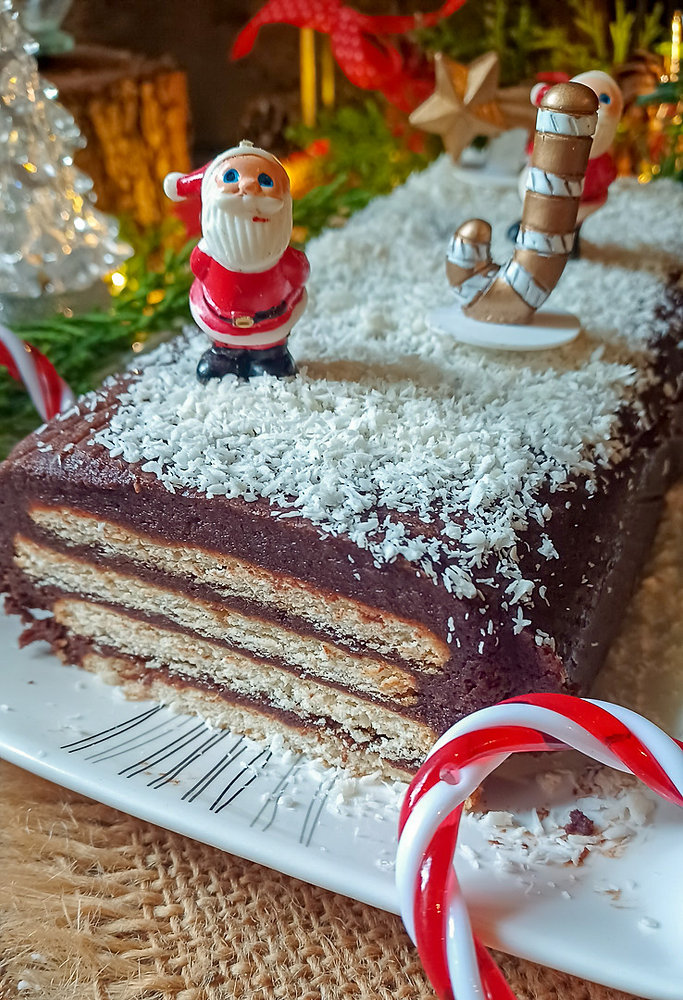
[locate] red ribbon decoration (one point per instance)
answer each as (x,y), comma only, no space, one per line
(371,62)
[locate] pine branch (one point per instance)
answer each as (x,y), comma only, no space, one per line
(591,21)
(652,28)
(621,30)
(85,348)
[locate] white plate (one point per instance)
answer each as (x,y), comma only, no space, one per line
(613,920)
(499,166)
(545,331)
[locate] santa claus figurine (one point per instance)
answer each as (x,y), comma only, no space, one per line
(601,169)
(249,283)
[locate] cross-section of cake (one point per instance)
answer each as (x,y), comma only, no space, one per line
(407,531)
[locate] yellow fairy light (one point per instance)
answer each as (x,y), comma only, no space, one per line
(676,30)
(117,279)
(327,74)
(307,76)
(30,167)
(155,296)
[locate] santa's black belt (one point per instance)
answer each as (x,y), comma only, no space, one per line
(244,321)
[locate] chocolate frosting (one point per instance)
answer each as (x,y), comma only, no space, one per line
(607,534)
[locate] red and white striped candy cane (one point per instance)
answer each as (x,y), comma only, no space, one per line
(50,393)
(432,905)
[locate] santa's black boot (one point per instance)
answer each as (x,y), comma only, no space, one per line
(217,362)
(576,248)
(272,361)
(513,231)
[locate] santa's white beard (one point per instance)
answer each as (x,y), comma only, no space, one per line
(237,242)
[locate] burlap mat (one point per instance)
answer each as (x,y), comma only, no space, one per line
(94,903)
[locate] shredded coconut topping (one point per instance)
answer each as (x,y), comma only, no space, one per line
(411,445)
(615,806)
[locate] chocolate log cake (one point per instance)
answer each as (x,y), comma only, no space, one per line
(409,530)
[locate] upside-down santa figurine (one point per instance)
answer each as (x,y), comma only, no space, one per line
(601,170)
(249,283)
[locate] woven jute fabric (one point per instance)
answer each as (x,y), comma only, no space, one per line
(96,904)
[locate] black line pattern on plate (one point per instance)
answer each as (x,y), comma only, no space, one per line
(275,798)
(112,732)
(250,773)
(315,808)
(194,755)
(164,746)
(135,742)
(179,743)
(203,783)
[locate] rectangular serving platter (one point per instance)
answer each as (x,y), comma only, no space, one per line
(614,920)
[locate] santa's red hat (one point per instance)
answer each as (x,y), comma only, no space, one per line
(179,187)
(544,81)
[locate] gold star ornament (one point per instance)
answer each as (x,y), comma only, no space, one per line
(467,103)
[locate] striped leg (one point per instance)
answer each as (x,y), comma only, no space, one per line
(564,129)
(469,267)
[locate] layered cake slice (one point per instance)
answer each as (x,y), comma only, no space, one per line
(409,530)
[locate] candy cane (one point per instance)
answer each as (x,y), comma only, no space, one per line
(432,905)
(50,393)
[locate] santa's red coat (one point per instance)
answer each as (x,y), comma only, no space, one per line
(243,310)
(600,173)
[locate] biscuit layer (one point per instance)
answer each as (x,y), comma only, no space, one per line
(190,657)
(328,612)
(314,657)
(250,719)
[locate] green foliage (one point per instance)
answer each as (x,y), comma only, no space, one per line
(591,24)
(533,36)
(84,348)
(329,204)
(621,32)
(508,27)
(669,92)
(651,28)
(669,161)
(366,158)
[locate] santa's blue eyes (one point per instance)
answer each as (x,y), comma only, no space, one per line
(605,99)
(232,176)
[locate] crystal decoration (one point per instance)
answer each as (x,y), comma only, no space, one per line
(42,19)
(53,242)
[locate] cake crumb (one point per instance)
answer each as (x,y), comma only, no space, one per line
(579,823)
